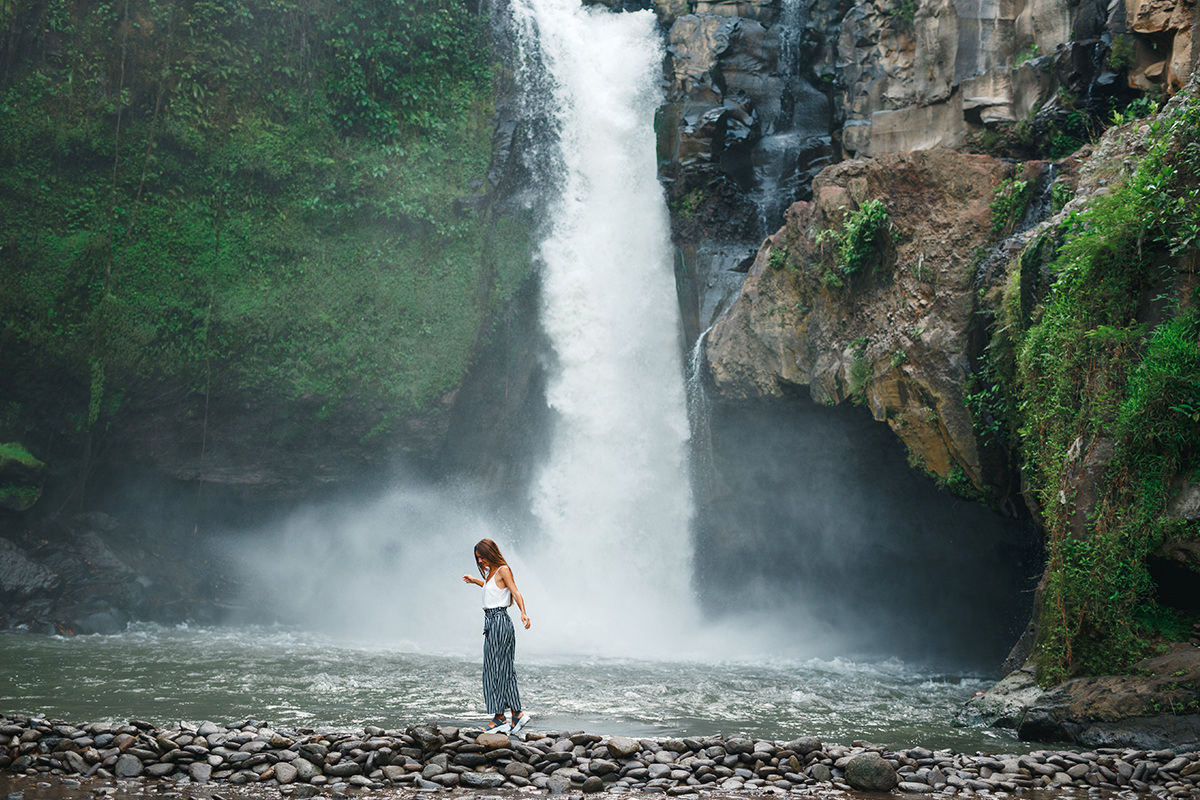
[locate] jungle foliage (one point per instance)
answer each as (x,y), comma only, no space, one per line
(1103,375)
(254,197)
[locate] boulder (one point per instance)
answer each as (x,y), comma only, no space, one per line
(1004,705)
(870,772)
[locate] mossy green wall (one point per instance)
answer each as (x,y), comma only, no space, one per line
(243,199)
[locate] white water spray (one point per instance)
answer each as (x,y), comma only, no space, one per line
(613,497)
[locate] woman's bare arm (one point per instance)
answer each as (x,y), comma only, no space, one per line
(505,580)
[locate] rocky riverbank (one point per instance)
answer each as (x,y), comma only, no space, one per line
(304,763)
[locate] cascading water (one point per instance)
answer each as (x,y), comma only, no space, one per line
(613,497)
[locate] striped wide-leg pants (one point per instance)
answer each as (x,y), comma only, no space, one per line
(499,651)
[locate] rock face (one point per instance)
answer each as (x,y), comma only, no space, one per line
(73,576)
(896,337)
(1157,708)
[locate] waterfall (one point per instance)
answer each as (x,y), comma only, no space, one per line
(612,498)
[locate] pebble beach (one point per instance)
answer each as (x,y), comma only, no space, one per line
(305,763)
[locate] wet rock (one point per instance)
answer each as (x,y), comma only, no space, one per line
(870,772)
(558,784)
(201,772)
(305,791)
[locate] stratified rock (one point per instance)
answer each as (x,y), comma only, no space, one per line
(870,772)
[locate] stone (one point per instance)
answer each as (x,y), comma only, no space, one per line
(305,769)
(870,772)
(804,745)
(914,787)
(820,772)
(75,762)
(201,772)
(481,780)
(207,729)
(558,784)
(493,741)
(344,769)
(285,773)
(622,746)
(305,791)
(128,766)
(593,784)
(517,769)
(427,736)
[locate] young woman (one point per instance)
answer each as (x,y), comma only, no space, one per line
(500,642)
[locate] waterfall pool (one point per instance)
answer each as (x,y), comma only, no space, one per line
(293,679)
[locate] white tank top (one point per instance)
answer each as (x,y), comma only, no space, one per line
(494,596)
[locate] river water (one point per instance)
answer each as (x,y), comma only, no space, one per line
(293,679)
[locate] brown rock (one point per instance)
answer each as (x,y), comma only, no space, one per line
(493,741)
(788,328)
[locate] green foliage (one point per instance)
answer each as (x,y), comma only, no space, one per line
(689,205)
(244,197)
(1094,381)
(1009,201)
(1060,195)
(1121,56)
(899,358)
(778,258)
(1139,108)
(856,244)
(958,484)
(903,11)
(860,369)
(15,453)
(1026,55)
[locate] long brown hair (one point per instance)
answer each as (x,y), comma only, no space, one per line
(490,553)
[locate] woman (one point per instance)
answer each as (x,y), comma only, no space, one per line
(500,645)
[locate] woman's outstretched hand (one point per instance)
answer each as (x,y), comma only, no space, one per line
(469,579)
(525,620)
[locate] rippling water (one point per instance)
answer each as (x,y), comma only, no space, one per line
(292,679)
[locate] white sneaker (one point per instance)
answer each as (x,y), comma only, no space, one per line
(521,722)
(495,726)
